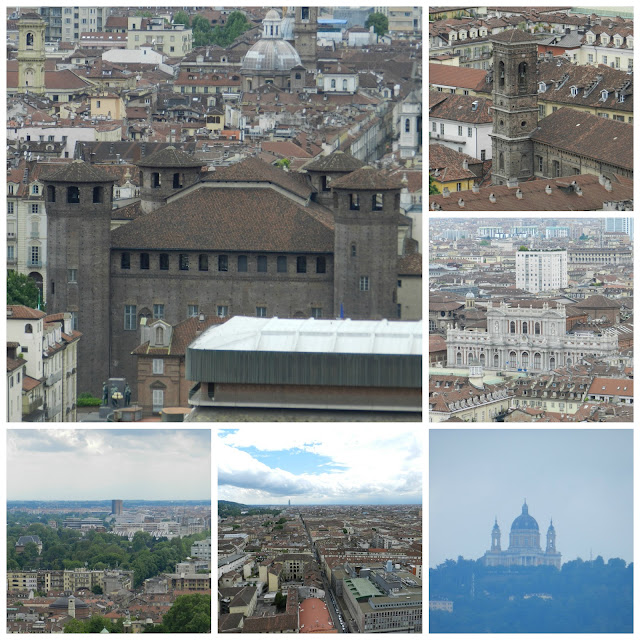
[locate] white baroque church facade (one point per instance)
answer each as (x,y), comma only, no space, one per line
(525,339)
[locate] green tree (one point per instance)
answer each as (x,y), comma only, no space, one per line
(182,17)
(379,21)
(21,289)
(74,626)
(189,614)
(433,190)
(97,589)
(143,14)
(280,601)
(283,163)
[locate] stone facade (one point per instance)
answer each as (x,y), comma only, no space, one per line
(306,35)
(525,339)
(515,105)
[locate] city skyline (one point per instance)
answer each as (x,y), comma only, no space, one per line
(582,479)
(132,463)
(312,469)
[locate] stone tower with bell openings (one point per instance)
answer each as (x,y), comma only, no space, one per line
(515,105)
(31,54)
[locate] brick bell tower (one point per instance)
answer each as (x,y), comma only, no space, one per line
(306,35)
(78,200)
(515,105)
(366,206)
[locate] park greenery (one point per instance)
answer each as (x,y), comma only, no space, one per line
(205,34)
(87,400)
(63,548)
(21,289)
(582,597)
(228,509)
(379,21)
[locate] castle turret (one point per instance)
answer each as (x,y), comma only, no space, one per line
(164,173)
(327,168)
(78,201)
(366,205)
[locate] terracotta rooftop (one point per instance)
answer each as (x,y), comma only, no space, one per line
(254,170)
(612,386)
(13,363)
(441,74)
(29,383)
(20,312)
(460,108)
(587,135)
(335,162)
(78,172)
(230,219)
(170,157)
(598,302)
(367,178)
(410,264)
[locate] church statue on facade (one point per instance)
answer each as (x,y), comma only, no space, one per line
(524,545)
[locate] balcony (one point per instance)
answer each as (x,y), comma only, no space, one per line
(12,260)
(11,235)
(35,264)
(30,407)
(53,378)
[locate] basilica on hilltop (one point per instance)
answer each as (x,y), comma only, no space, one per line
(524,545)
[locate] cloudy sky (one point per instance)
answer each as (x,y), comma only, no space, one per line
(321,464)
(100,464)
(582,478)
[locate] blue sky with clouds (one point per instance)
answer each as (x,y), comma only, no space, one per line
(582,478)
(98,464)
(320,464)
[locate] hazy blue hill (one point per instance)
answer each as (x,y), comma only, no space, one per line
(226,508)
(583,597)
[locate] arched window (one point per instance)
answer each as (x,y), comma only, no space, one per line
(344,85)
(159,335)
(29,39)
(333,84)
(73,195)
(458,358)
(513,359)
(537,361)
(51,193)
(536,329)
(512,327)
(525,360)
(407,125)
(496,361)
(298,76)
(522,76)
(501,161)
(525,328)
(482,359)
(501,74)
(97,195)
(552,363)
(28,328)
(155,180)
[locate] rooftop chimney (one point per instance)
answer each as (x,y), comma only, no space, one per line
(465,164)
(519,194)
(492,198)
(548,190)
(445,192)
(475,188)
(461,203)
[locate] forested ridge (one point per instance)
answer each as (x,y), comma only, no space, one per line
(582,597)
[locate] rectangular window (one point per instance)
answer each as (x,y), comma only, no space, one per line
(130,317)
(301,264)
(458,186)
(158,311)
(541,110)
(620,118)
(465,92)
(158,400)
(184,262)
(316,312)
(223,263)
(364,283)
(261,312)
(377,202)
(164,261)
(554,109)
(10,207)
(125,260)
(590,57)
(74,320)
(441,129)
(192,310)
(223,311)
(11,252)
(203,262)
(459,131)
(539,160)
(242,264)
(434,127)
(604,60)
(144,260)
(282,264)
(399,311)
(470,132)
(34,208)
(483,154)
(158,366)
(35,255)
(321,264)
(72,275)
(354,202)
(262,264)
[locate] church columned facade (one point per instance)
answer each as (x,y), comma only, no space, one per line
(525,339)
(524,545)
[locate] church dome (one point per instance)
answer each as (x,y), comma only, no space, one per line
(524,520)
(469,295)
(271,55)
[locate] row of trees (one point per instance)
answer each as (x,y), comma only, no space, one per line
(204,33)
(67,549)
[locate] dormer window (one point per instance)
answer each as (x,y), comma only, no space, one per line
(604,38)
(473,34)
(574,92)
(618,42)
(463,35)
(542,87)
(604,94)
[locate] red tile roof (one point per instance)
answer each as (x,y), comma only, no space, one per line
(612,387)
(20,312)
(445,75)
